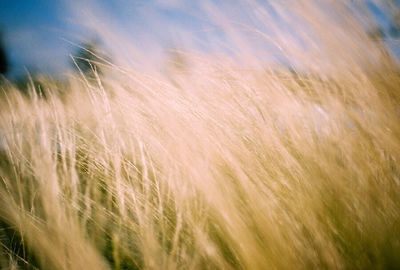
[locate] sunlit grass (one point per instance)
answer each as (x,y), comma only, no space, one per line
(218,167)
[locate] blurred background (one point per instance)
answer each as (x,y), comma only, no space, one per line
(41,36)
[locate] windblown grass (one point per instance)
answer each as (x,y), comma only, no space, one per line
(219,168)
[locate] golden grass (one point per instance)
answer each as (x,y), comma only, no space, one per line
(219,168)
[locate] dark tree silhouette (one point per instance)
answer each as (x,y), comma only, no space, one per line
(380,33)
(90,59)
(391,29)
(394,15)
(3,58)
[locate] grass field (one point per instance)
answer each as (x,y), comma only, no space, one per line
(217,167)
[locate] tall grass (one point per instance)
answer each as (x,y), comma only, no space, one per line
(218,167)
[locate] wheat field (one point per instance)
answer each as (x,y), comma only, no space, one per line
(221,165)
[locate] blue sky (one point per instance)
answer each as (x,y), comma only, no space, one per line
(40,35)
(31,31)
(37,32)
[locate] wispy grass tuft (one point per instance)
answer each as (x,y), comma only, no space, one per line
(221,166)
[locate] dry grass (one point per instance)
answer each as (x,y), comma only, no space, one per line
(219,168)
